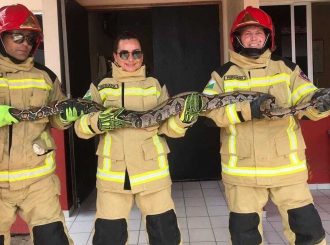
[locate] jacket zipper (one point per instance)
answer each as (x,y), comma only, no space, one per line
(127,183)
(252,121)
(10,140)
(10,137)
(123,95)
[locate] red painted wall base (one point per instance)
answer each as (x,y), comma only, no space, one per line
(317,140)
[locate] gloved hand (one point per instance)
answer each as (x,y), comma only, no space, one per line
(256,104)
(5,117)
(193,105)
(322,97)
(72,111)
(110,119)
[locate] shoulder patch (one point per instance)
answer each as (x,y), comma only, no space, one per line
(107,85)
(210,84)
(224,68)
(234,77)
(303,76)
(287,62)
(50,73)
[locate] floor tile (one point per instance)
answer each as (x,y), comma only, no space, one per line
(201,235)
(202,215)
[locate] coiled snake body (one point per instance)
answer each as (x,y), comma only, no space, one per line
(171,107)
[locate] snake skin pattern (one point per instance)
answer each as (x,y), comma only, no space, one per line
(172,106)
(55,108)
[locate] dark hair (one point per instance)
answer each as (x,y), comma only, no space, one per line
(124,36)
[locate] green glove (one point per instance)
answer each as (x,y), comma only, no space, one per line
(5,117)
(70,115)
(110,119)
(72,111)
(193,105)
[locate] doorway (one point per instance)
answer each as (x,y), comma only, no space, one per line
(181,50)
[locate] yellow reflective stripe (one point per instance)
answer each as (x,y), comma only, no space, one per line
(142,91)
(106,92)
(107,145)
(149,176)
(110,175)
(289,96)
(175,127)
(232,114)
(233,161)
(264,172)
(47,168)
(230,85)
(162,162)
(134,179)
(106,152)
(84,125)
(232,146)
(292,135)
(293,141)
(301,91)
(208,91)
(106,164)
(294,159)
(131,91)
(24,83)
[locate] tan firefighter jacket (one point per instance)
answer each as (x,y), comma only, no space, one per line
(25,86)
(261,152)
(142,152)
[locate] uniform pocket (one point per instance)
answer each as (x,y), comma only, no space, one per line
(109,148)
(150,101)
(112,101)
(39,98)
(2,147)
(240,146)
(43,144)
(281,92)
(283,146)
(154,147)
(57,184)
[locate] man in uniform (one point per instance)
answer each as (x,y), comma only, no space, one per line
(261,158)
(28,184)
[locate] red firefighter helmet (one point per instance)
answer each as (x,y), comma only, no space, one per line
(18,17)
(256,17)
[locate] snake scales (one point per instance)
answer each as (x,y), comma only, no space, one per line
(172,106)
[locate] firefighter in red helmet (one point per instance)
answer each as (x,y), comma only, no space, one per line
(261,158)
(28,184)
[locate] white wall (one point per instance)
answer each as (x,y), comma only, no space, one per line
(33,5)
(48,9)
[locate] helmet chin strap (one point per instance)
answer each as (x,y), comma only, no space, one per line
(252,52)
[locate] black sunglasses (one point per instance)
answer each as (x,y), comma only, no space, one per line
(19,38)
(136,54)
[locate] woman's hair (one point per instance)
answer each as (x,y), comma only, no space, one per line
(124,36)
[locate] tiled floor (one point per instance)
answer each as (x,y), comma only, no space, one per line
(202,214)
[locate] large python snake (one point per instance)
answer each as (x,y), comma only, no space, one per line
(173,106)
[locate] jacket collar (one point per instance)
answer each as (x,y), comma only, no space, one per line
(123,76)
(6,65)
(250,63)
